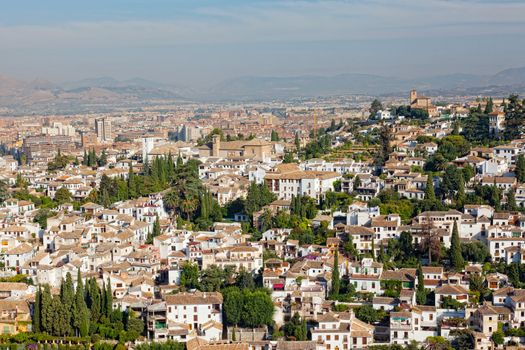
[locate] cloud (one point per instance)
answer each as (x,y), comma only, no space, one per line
(281,21)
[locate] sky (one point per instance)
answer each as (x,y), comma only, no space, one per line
(194,43)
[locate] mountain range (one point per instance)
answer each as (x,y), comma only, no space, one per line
(109,94)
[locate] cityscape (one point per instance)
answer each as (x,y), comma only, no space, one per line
(222,201)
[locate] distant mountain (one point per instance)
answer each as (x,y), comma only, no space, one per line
(512,76)
(247,88)
(106,93)
(88,95)
(311,85)
(138,87)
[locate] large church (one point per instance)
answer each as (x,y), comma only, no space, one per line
(422,102)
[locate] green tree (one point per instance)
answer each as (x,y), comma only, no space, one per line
(67,297)
(456,259)
(385,138)
(80,310)
(155,232)
(520,168)
(257,309)
(477,284)
(489,107)
(437,343)
(514,118)
(244,280)
(20,181)
(212,279)
(59,162)
(498,337)
(94,299)
(288,158)
(421,293)
(41,217)
(375,106)
(274,136)
(475,251)
(368,314)
(297,142)
(357,182)
(47,313)
(429,190)
(37,311)
(60,316)
(189,277)
(3,191)
(103,160)
(232,305)
(296,328)
(511,201)
(62,195)
(460,195)
(108,299)
(336,281)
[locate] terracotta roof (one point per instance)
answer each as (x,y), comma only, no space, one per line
(451,289)
(196,298)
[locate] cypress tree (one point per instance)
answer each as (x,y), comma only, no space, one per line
(456,259)
(47,314)
(93,299)
(421,293)
(520,168)
(155,231)
(81,312)
(146,167)
(60,323)
(357,182)
(92,158)
(109,299)
(67,296)
(511,201)
(103,302)
(430,194)
(171,167)
(336,282)
(489,106)
(36,311)
(460,196)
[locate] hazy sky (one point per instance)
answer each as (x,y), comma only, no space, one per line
(198,43)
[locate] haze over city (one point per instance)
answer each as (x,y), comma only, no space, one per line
(262,175)
(201,43)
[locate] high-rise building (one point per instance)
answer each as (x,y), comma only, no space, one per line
(103,129)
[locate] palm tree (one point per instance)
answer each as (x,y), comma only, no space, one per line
(188,206)
(171,200)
